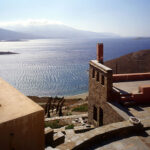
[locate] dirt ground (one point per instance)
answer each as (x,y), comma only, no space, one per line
(68,105)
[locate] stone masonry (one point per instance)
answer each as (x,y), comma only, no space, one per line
(100,93)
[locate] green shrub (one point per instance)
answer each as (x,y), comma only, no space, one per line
(55,124)
(68,114)
(81,108)
(70,126)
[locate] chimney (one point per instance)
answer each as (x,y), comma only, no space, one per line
(100,52)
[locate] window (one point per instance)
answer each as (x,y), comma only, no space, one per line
(102,80)
(97,76)
(93,73)
(95,113)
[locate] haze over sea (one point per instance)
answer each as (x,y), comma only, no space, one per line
(50,67)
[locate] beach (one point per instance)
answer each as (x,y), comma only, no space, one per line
(82,96)
(69,99)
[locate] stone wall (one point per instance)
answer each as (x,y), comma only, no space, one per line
(100,93)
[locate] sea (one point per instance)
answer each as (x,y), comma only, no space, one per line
(58,67)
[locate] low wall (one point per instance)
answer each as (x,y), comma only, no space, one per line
(142,97)
(66,119)
(131,77)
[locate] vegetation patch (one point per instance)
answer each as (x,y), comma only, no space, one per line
(81,108)
(68,114)
(71,126)
(55,124)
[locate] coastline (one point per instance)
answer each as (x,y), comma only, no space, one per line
(77,96)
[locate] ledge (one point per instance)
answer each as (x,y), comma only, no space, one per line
(131,77)
(100,66)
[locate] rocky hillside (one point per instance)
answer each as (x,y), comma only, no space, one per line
(131,63)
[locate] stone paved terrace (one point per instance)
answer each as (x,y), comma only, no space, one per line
(130,87)
(129,143)
(141,112)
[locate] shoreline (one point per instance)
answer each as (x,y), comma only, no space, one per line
(77,96)
(43,99)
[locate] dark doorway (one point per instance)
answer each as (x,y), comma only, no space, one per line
(100,116)
(95,113)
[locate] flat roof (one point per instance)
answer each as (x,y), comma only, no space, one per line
(130,87)
(14,104)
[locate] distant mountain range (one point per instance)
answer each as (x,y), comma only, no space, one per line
(49,31)
(12,35)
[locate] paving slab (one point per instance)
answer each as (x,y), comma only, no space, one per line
(131,143)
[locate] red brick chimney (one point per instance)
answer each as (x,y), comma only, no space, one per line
(100,52)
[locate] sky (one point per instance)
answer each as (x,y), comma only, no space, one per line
(122,17)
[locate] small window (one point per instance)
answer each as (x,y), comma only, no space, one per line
(97,76)
(95,113)
(93,73)
(102,80)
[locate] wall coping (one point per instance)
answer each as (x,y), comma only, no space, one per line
(131,77)
(100,66)
(66,117)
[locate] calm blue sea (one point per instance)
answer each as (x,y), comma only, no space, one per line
(50,67)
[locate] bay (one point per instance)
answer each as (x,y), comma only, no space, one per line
(50,67)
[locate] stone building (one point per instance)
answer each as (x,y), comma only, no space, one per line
(100,111)
(21,121)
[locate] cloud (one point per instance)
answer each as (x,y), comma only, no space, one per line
(29,22)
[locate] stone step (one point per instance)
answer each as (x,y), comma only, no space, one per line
(148,132)
(51,148)
(48,136)
(81,129)
(58,138)
(69,132)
